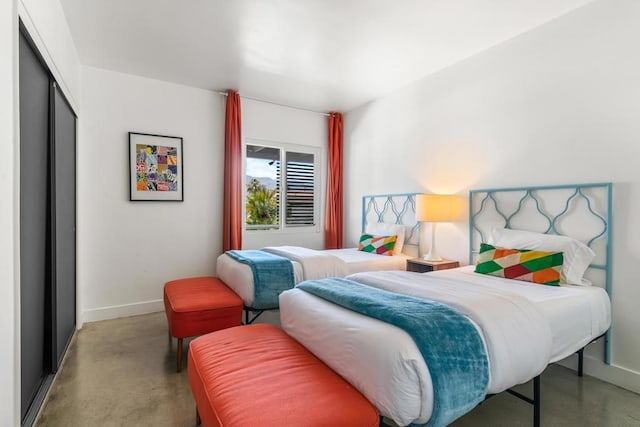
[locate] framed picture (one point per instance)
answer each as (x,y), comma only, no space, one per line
(155,167)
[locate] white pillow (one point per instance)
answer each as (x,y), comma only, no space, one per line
(384,229)
(577,255)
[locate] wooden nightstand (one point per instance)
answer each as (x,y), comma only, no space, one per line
(421,266)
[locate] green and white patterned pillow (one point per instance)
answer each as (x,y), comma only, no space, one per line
(520,264)
(381,245)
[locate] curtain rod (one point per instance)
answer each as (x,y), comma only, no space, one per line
(275,103)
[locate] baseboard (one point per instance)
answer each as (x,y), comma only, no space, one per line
(116,311)
(622,377)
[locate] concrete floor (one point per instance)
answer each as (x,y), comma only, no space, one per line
(122,373)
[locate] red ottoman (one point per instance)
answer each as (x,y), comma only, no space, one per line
(257,375)
(197,306)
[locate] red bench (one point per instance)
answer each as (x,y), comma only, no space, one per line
(257,375)
(197,306)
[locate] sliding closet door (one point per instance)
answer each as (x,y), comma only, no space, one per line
(64,220)
(34,224)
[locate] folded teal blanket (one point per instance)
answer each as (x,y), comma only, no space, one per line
(272,275)
(450,344)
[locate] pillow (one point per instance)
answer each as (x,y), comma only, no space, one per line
(381,245)
(520,264)
(384,229)
(577,255)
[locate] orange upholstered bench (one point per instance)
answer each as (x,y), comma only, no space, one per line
(257,375)
(197,306)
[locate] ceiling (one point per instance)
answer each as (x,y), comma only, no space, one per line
(325,55)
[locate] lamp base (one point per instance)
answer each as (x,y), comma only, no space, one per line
(430,257)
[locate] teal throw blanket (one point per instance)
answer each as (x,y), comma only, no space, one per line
(450,344)
(272,275)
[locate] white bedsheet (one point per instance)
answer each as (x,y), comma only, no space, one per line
(307,264)
(386,366)
(576,314)
(357,261)
(315,264)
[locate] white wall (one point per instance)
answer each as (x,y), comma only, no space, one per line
(128,250)
(9,271)
(556,105)
(269,122)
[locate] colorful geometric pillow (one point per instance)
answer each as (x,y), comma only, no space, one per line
(521,264)
(381,245)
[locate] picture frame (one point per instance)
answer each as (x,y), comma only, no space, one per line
(155,168)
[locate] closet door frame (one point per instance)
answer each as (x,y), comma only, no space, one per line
(51,361)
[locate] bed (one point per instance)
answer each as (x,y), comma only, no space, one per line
(382,214)
(523,326)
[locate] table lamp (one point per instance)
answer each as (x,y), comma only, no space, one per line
(435,208)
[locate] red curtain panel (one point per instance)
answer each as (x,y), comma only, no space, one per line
(334,210)
(232,222)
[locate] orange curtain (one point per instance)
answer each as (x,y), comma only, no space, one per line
(232,218)
(333,220)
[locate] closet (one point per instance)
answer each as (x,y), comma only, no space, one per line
(47,226)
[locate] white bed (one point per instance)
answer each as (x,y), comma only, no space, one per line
(307,264)
(524,326)
(383,362)
(382,215)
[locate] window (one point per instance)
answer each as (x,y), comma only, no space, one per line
(280,197)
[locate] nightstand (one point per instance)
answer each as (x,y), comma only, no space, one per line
(421,266)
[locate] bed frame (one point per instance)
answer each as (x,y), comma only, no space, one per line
(581,211)
(397,209)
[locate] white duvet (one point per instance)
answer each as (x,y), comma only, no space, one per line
(307,264)
(384,363)
(315,264)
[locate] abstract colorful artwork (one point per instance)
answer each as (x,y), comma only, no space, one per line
(156,167)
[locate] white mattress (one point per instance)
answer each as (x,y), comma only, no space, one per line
(239,276)
(384,363)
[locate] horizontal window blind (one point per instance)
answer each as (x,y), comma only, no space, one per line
(300,184)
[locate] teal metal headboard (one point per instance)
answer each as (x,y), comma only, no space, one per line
(393,209)
(581,211)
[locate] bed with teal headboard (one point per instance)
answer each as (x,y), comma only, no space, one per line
(382,215)
(579,211)
(524,325)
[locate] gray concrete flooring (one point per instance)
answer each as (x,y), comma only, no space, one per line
(122,373)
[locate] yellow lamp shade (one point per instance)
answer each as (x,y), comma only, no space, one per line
(436,208)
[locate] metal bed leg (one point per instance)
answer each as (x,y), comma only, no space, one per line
(382,424)
(198,420)
(253,319)
(580,361)
(536,401)
(256,313)
(580,354)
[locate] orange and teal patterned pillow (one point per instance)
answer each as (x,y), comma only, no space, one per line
(521,264)
(381,245)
